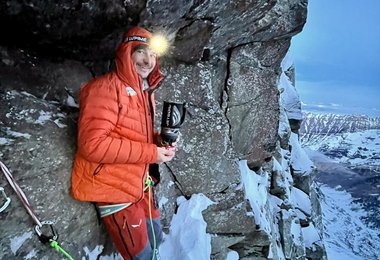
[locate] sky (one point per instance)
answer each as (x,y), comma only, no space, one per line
(337,56)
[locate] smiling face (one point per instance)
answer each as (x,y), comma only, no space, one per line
(144,60)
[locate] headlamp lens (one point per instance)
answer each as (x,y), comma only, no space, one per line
(159,44)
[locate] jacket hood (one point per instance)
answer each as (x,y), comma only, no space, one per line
(124,66)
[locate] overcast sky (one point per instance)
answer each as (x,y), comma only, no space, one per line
(337,55)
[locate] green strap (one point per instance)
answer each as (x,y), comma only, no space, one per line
(54,244)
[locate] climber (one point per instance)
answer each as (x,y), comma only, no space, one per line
(116,161)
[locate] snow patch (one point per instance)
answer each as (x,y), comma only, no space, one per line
(70,101)
(6,141)
(17,242)
(162,202)
(232,255)
(31,255)
(300,161)
(301,200)
(311,236)
(346,236)
(187,237)
(256,187)
(43,118)
(94,254)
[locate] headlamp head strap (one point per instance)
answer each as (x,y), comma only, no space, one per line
(135,38)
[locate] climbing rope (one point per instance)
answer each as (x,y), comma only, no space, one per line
(20,193)
(52,238)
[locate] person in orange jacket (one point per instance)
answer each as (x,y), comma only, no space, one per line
(116,160)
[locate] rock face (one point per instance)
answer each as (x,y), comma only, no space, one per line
(224,62)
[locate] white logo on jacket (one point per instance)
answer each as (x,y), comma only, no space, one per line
(137,225)
(130,91)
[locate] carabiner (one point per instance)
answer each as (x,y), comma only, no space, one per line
(45,238)
(7,200)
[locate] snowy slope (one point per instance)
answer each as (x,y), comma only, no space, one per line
(346,151)
(356,149)
(346,236)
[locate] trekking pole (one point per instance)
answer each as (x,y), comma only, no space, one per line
(50,238)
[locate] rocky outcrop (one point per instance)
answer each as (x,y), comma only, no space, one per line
(224,62)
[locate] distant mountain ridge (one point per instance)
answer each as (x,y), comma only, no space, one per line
(349,139)
(315,126)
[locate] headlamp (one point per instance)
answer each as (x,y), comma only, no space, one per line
(159,44)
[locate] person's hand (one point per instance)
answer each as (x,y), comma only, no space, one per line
(165,154)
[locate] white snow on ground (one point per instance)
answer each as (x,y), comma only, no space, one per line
(255,187)
(363,148)
(346,235)
(299,159)
(17,242)
(187,239)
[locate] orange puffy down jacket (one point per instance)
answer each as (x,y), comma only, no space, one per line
(115,131)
